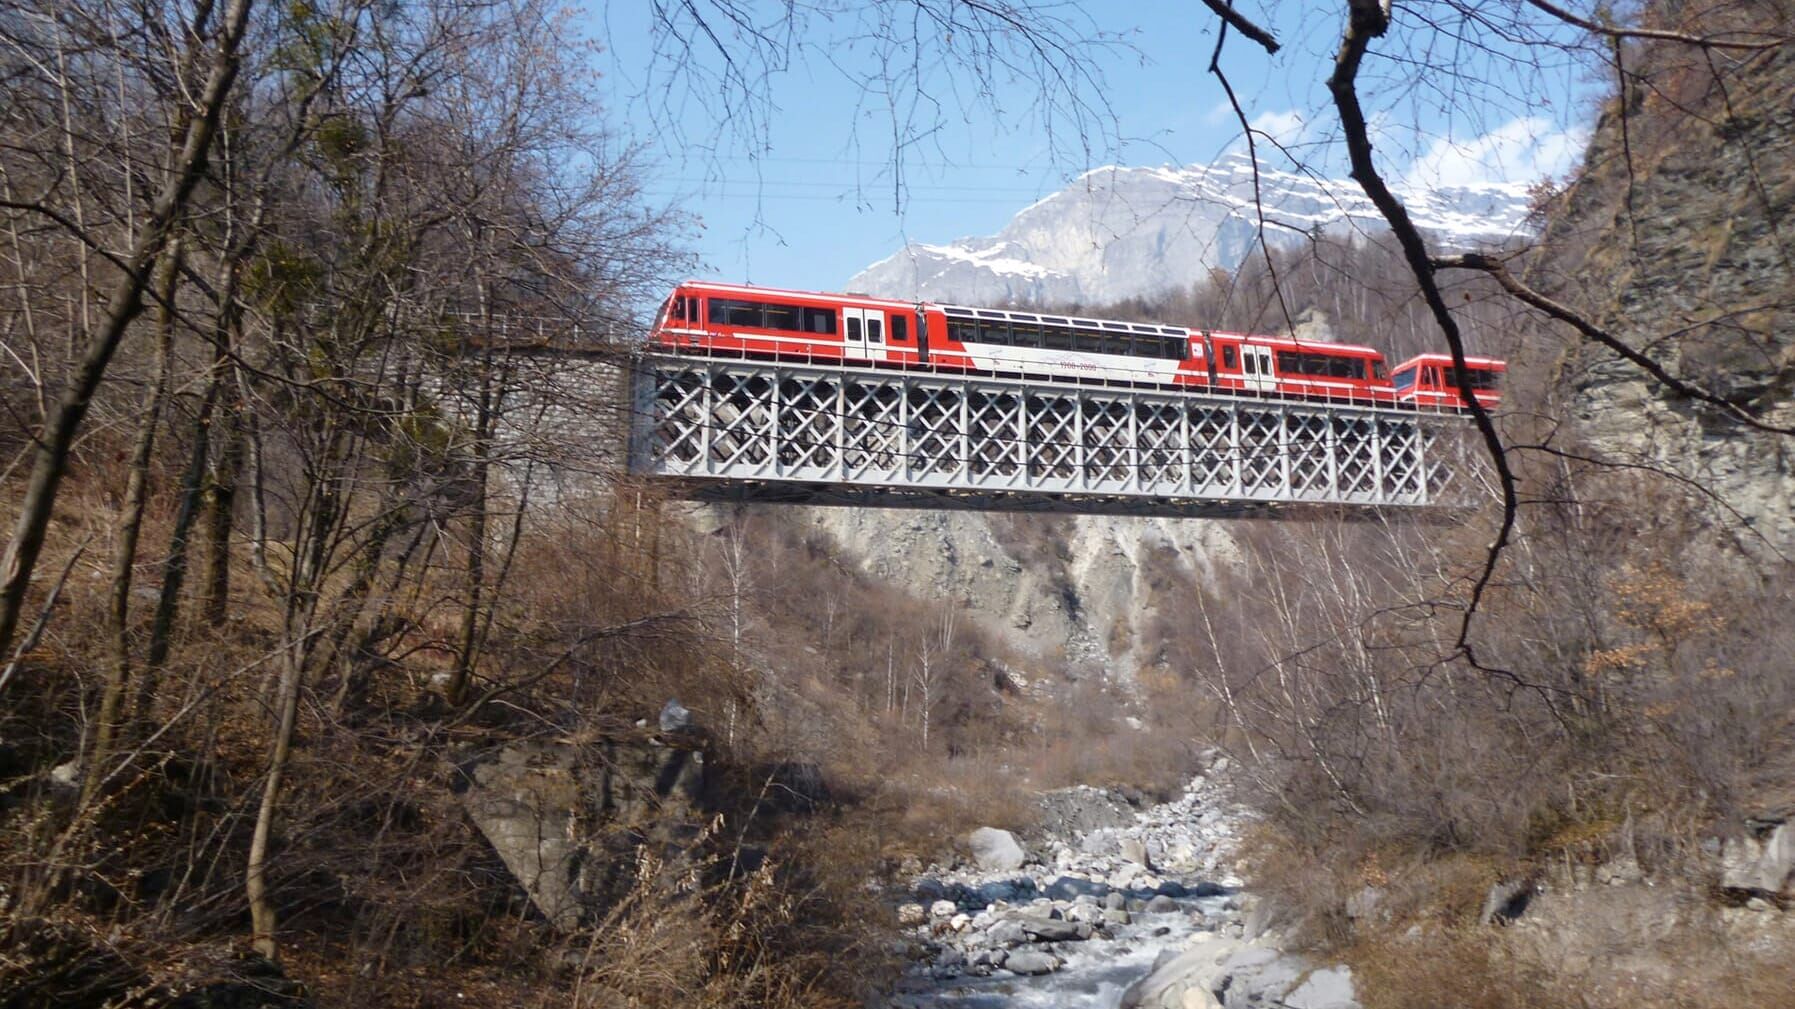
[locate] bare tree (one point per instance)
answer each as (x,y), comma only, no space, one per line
(209,46)
(934,669)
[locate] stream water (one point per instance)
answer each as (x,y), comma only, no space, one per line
(1145,884)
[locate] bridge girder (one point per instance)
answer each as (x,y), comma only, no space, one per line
(737,429)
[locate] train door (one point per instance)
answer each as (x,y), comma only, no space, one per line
(863,334)
(1255,364)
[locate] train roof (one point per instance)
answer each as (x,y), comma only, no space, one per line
(1475,362)
(780,292)
(1044,318)
(1039,318)
(1310,345)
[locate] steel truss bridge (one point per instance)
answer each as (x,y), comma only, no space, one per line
(752,430)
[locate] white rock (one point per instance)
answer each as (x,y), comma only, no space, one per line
(996,850)
(943,909)
(66,775)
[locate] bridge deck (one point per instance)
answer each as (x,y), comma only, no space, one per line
(733,429)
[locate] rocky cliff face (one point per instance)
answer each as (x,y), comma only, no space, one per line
(1070,593)
(1679,238)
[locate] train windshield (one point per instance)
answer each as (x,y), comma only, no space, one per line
(1483,378)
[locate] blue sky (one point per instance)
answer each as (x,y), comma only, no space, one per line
(799,176)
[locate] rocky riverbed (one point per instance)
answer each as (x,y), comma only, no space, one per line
(1112,906)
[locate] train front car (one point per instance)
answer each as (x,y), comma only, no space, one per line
(1425,380)
(741,321)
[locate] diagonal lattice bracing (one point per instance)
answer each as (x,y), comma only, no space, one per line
(1052,450)
(1310,449)
(994,423)
(843,428)
(1162,446)
(1355,456)
(872,431)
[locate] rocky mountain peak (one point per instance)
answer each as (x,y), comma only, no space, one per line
(1118,232)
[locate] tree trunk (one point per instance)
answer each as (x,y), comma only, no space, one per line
(118,672)
(174,565)
(468,643)
(221,509)
(261,908)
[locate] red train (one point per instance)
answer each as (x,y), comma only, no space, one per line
(766,322)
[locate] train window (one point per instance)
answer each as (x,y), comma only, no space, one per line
(1405,379)
(819,320)
(1430,377)
(900,329)
(962,332)
(1252,364)
(1054,338)
(1483,378)
(1378,372)
(1025,334)
(677,310)
(853,327)
(875,331)
(782,317)
(1176,348)
(994,332)
(1090,343)
(1228,356)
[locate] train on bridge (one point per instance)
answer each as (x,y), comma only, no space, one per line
(762,322)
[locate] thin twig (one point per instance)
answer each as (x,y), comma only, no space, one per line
(43,616)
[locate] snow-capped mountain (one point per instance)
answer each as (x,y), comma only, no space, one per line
(1117,232)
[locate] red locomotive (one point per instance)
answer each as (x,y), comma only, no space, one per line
(854,329)
(1426,380)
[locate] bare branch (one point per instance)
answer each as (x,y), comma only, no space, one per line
(1704,41)
(1370,19)
(1224,9)
(1563,313)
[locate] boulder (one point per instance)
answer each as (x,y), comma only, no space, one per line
(996,850)
(565,819)
(1176,973)
(943,909)
(1328,988)
(1072,887)
(911,915)
(1050,930)
(1031,961)
(1225,972)
(1006,933)
(1135,850)
(1759,866)
(1161,904)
